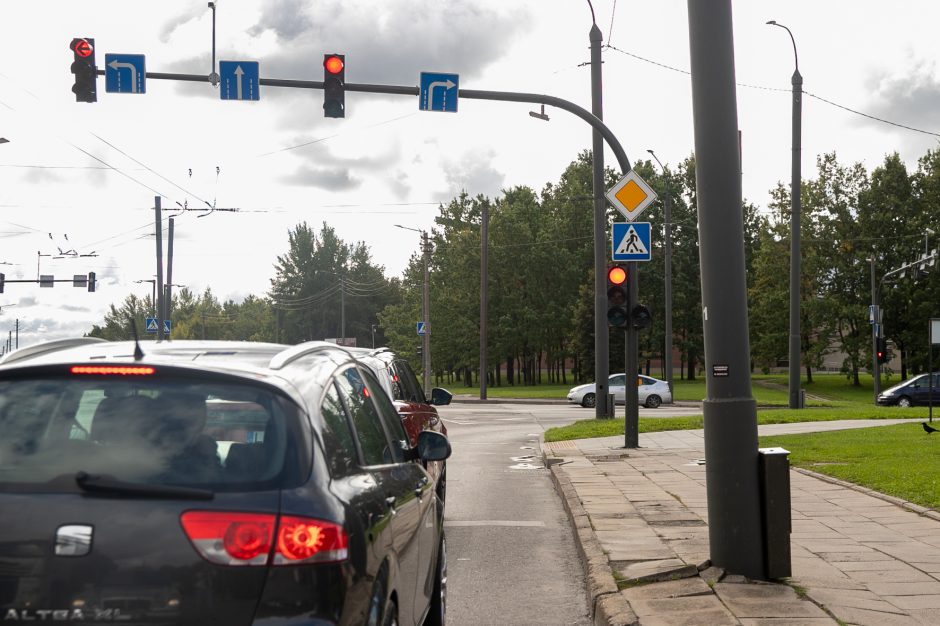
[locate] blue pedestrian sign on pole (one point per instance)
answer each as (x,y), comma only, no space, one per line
(167,325)
(438,92)
(125,73)
(422,328)
(152,325)
(239,80)
(631,241)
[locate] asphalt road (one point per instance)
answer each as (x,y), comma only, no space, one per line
(511,555)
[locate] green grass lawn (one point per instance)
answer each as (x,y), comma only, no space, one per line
(900,460)
(586,429)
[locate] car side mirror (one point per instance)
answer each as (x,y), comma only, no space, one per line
(433,446)
(441,397)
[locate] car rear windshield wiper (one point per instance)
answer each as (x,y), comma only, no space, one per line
(109,485)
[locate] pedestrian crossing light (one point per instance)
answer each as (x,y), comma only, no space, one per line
(882,350)
(640,317)
(334,85)
(617,315)
(83,66)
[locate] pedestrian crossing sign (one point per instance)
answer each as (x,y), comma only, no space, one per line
(631,241)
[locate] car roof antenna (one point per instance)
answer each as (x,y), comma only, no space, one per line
(138,353)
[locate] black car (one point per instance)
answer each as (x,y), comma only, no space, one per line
(417,412)
(911,392)
(212,483)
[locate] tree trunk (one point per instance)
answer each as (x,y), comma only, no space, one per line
(510,374)
(809,374)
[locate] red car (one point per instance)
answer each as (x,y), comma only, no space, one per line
(416,410)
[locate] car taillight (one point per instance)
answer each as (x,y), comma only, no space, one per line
(302,539)
(113,370)
(231,538)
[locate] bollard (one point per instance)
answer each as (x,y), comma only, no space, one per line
(774,469)
(611,406)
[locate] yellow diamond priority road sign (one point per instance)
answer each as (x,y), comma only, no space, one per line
(631,195)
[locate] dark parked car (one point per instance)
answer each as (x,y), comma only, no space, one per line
(914,391)
(416,410)
(212,483)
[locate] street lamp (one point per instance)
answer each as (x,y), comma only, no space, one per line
(667,270)
(153,282)
(426,338)
(795,177)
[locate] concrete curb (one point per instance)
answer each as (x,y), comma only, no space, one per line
(608,606)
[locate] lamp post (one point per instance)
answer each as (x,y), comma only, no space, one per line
(794,356)
(667,271)
(153,282)
(426,338)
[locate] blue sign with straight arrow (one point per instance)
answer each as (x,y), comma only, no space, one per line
(239,80)
(125,73)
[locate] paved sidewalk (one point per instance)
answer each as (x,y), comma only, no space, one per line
(640,516)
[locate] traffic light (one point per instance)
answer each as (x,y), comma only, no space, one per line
(882,350)
(640,317)
(91,281)
(617,314)
(2,278)
(420,354)
(334,85)
(83,66)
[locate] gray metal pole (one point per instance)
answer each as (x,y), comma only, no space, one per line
(601,331)
(875,365)
(734,518)
(631,414)
(427,315)
(484,280)
(342,311)
(169,274)
(158,286)
(795,282)
(667,272)
(795,182)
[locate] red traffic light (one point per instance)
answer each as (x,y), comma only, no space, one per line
(82,47)
(616,275)
(333,64)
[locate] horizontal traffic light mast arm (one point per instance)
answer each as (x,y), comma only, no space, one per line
(473,94)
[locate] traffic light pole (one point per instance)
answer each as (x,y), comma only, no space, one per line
(470,94)
(601,331)
(631,417)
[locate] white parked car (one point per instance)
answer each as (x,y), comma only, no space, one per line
(651,392)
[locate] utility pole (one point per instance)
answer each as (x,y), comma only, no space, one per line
(875,327)
(427,314)
(667,271)
(484,280)
(342,310)
(731,474)
(169,277)
(601,331)
(795,177)
(158,230)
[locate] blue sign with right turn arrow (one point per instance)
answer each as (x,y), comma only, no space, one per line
(438,92)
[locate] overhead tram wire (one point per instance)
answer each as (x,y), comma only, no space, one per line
(780,89)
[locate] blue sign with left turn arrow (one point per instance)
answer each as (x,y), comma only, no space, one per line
(239,80)
(125,73)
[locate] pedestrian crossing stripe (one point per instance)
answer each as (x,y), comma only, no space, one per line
(631,243)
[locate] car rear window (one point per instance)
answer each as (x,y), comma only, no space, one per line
(152,430)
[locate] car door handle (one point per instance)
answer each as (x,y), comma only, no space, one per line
(419,488)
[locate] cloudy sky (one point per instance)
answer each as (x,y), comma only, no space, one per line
(83,177)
